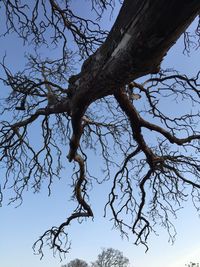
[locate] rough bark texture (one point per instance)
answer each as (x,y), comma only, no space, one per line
(141,36)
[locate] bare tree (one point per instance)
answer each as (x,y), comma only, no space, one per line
(157,167)
(111,258)
(76,263)
(192,264)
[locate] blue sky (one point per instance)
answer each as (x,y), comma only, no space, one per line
(20,227)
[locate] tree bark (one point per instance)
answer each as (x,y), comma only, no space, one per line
(141,36)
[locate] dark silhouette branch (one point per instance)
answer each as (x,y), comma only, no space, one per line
(104,108)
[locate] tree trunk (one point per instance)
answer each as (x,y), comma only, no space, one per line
(143,33)
(141,36)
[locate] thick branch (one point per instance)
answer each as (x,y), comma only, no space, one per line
(135,122)
(135,46)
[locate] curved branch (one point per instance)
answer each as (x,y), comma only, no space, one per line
(54,235)
(135,122)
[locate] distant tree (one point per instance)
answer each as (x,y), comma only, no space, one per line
(76,263)
(192,264)
(111,258)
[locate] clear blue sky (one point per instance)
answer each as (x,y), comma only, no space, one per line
(20,227)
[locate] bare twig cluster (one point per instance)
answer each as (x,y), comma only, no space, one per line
(49,22)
